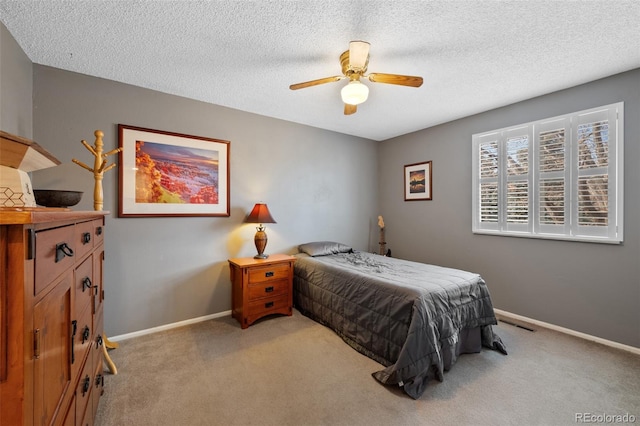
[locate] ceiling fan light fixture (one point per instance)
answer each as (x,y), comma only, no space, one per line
(354,93)
(358,54)
(354,64)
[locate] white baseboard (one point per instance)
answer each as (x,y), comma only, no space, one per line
(168,326)
(585,336)
(498,312)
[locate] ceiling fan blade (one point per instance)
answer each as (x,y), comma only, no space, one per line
(358,54)
(401,80)
(315,82)
(350,109)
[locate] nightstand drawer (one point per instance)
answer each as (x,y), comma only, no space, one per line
(268,289)
(269,273)
(264,306)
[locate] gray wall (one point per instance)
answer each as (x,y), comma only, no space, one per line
(163,270)
(317,184)
(16,111)
(591,288)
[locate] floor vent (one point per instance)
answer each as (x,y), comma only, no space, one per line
(517,325)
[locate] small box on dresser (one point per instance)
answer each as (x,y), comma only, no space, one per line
(261,287)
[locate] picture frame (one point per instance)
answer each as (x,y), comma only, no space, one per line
(172,174)
(417,181)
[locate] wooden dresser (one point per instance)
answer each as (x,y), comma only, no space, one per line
(51,316)
(261,287)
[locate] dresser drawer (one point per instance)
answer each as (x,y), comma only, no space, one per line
(55,253)
(98,231)
(269,273)
(268,289)
(84,238)
(83,393)
(70,418)
(82,340)
(84,285)
(264,306)
(87,418)
(98,274)
(98,382)
(98,342)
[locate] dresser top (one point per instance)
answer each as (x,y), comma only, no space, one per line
(24,215)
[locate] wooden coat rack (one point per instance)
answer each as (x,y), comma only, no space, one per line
(99,168)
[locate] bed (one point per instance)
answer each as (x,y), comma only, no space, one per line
(413,318)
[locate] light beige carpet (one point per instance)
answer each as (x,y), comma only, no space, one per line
(293,371)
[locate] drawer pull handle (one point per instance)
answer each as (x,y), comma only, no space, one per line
(268,274)
(85,333)
(99,380)
(63,250)
(99,230)
(268,289)
(31,234)
(86,283)
(99,341)
(86,238)
(74,328)
(36,343)
(86,384)
(268,305)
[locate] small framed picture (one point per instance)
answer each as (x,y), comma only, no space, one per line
(171,174)
(417,181)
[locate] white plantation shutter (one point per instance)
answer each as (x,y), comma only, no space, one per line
(486,201)
(553,175)
(516,154)
(557,178)
(489,202)
(552,201)
(595,212)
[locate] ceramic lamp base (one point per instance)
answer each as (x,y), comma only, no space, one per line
(261,243)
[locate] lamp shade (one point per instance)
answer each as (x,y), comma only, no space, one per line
(354,93)
(260,214)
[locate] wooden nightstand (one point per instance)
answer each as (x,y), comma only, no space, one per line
(261,287)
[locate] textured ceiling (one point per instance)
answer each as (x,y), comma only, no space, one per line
(473,55)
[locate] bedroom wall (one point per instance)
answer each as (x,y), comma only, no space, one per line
(587,287)
(164,270)
(16,87)
(318,185)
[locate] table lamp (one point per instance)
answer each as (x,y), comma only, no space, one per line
(260,214)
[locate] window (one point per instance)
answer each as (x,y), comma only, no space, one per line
(558,178)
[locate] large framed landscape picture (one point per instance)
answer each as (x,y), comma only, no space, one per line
(171,174)
(417,181)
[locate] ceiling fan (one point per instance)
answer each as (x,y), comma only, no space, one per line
(354,64)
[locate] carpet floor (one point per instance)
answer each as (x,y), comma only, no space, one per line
(292,371)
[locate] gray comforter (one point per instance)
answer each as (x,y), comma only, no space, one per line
(407,316)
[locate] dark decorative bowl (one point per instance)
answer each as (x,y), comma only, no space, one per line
(56,198)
